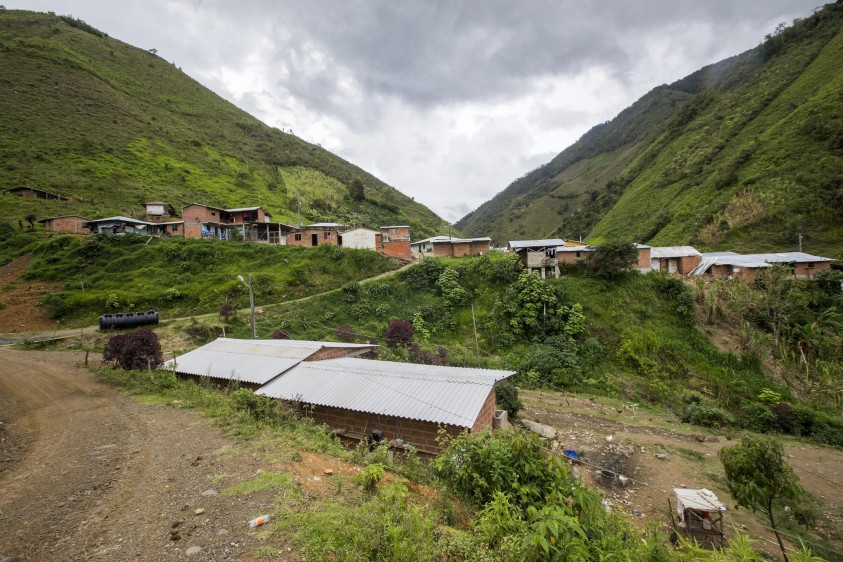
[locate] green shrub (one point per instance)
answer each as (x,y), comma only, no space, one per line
(506,395)
(708,416)
(759,417)
(371,476)
(424,275)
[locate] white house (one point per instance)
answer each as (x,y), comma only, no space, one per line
(360,238)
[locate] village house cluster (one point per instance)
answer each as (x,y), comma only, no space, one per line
(544,257)
(252,224)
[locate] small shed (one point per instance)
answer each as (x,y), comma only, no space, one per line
(35,193)
(699,514)
(66,223)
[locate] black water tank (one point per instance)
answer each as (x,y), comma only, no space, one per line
(124,321)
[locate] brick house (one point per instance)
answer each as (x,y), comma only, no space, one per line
(253,223)
(674,259)
(317,234)
(747,266)
(408,403)
(68,223)
(395,241)
(24,191)
(447,246)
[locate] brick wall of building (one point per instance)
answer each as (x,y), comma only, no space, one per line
(804,271)
(420,434)
(486,417)
(443,249)
(461,249)
(66,224)
(397,249)
(644,259)
(480,248)
(307,237)
(687,264)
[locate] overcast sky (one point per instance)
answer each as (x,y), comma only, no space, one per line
(448,101)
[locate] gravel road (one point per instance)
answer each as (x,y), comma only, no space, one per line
(87,473)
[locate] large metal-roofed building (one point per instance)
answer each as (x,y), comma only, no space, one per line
(404,403)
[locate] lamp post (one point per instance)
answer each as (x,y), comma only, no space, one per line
(251,303)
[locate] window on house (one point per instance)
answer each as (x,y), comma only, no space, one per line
(175,228)
(392,231)
(327,236)
(578,254)
(811,264)
(213,213)
(297,237)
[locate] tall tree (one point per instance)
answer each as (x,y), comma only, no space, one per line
(356,190)
(758,476)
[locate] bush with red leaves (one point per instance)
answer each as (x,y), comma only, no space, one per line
(399,332)
(134,351)
(280,335)
(227,312)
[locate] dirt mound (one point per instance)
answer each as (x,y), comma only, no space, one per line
(19,299)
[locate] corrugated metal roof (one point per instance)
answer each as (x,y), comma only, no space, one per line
(448,395)
(700,500)
(546,243)
(450,240)
(121,219)
(673,251)
(253,361)
(755,261)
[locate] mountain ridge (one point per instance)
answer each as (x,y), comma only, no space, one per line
(743,154)
(113,126)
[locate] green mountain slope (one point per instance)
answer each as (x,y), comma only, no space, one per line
(113,126)
(745,154)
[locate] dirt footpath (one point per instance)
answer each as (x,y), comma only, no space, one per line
(87,473)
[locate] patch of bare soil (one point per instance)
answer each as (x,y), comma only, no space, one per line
(655,458)
(88,473)
(19,298)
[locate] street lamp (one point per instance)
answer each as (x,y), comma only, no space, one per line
(251,303)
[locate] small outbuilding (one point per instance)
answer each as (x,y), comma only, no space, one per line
(74,224)
(674,259)
(747,266)
(117,225)
(32,192)
(448,246)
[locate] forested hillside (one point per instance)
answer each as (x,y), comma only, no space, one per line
(113,126)
(745,154)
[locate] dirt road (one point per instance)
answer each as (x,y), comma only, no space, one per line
(87,473)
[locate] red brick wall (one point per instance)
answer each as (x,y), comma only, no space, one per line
(399,232)
(570,257)
(443,249)
(420,434)
(66,224)
(802,271)
(487,413)
(687,264)
(306,233)
(478,248)
(644,258)
(397,249)
(461,249)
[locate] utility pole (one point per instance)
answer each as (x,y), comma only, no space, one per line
(474,321)
(800,242)
(251,303)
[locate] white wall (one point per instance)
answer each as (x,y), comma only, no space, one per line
(359,238)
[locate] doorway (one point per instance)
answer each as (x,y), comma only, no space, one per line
(314,239)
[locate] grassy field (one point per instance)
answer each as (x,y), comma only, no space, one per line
(179,277)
